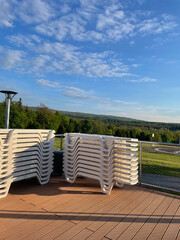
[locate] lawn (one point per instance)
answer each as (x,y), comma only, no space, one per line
(161,163)
(57,143)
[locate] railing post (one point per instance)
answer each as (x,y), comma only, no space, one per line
(140,166)
(61,142)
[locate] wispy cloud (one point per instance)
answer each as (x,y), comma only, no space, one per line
(111,23)
(48,83)
(74,92)
(68,59)
(69,91)
(10,58)
(135,65)
(144,79)
(141,2)
(35,11)
(29,11)
(110,20)
(64,58)
(6,13)
(124,102)
(24,40)
(157,25)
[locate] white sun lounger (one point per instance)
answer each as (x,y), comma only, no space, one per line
(24,154)
(110,160)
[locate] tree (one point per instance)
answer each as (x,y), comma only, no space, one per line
(2,114)
(18,117)
(98,127)
(165,137)
(121,132)
(87,126)
(45,118)
(111,129)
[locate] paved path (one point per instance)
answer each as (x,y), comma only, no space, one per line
(161,180)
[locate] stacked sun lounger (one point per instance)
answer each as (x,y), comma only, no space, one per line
(110,160)
(25,154)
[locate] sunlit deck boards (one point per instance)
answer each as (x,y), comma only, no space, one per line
(60,210)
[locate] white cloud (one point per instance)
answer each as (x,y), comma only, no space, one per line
(70,24)
(29,11)
(110,22)
(24,40)
(48,83)
(65,9)
(10,58)
(124,102)
(74,92)
(69,91)
(65,58)
(135,65)
(115,23)
(157,25)
(40,64)
(144,79)
(96,21)
(141,2)
(34,11)
(6,13)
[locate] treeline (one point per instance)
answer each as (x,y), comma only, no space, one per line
(43,118)
(123,121)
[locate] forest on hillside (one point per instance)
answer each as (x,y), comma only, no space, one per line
(44,118)
(123,121)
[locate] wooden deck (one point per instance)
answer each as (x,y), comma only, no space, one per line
(78,211)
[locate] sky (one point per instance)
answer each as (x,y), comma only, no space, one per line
(112,57)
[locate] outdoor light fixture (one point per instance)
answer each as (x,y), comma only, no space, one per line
(8,96)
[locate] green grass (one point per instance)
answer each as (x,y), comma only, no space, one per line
(160,163)
(57,143)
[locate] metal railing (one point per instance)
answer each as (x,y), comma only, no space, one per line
(159,175)
(150,173)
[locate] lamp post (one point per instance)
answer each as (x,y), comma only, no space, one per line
(8,96)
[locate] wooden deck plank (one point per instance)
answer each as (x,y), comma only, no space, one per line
(178,236)
(149,222)
(129,216)
(84,234)
(71,209)
(22,227)
(75,201)
(40,199)
(60,210)
(106,203)
(174,227)
(44,232)
(87,221)
(16,213)
(58,231)
(59,199)
(118,215)
(89,217)
(122,202)
(163,224)
(20,234)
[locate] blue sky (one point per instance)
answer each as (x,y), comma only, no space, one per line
(115,57)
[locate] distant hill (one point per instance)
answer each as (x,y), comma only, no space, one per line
(104,118)
(121,121)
